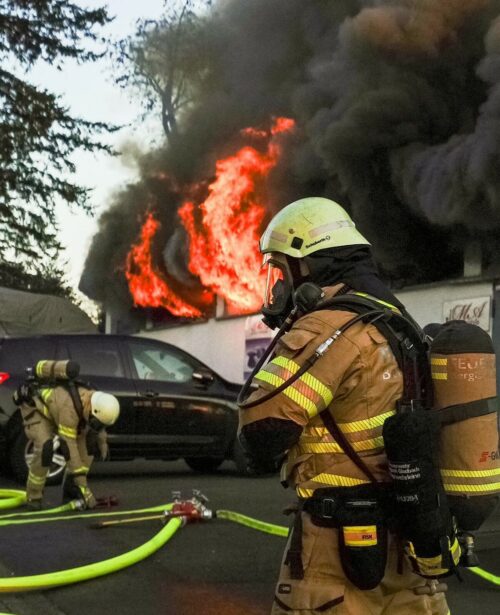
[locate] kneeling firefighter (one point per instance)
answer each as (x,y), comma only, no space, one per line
(347,362)
(53,402)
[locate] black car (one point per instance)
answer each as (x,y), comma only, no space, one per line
(172,405)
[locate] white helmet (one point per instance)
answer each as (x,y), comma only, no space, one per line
(105,408)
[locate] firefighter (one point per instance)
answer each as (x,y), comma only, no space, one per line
(340,557)
(79,417)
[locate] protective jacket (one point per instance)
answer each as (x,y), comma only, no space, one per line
(358,382)
(53,412)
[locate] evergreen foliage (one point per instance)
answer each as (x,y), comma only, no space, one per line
(38,134)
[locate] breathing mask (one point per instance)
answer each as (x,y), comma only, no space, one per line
(278,291)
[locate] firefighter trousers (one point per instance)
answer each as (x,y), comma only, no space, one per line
(324,590)
(41,431)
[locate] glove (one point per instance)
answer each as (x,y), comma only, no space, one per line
(23,395)
(88,497)
(103,451)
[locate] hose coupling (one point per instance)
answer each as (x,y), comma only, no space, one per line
(193,509)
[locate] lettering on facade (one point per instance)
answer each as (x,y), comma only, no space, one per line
(475,311)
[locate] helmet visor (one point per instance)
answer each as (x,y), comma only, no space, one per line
(277,284)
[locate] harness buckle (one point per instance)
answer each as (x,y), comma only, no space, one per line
(328,508)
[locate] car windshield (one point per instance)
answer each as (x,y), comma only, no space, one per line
(156,363)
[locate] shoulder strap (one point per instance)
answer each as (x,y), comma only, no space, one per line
(77,403)
(405,338)
(408,348)
(469,410)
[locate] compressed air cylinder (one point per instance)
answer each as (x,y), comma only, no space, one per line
(464,382)
(48,371)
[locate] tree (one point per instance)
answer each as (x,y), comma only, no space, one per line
(49,280)
(37,133)
(166,60)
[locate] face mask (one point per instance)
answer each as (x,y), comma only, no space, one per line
(95,424)
(278,291)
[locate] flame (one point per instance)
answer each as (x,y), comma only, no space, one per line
(223,233)
(224,229)
(146,285)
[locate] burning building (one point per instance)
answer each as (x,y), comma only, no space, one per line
(388,106)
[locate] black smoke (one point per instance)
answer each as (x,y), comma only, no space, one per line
(397,104)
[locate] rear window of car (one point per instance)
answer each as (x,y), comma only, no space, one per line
(18,354)
(97,357)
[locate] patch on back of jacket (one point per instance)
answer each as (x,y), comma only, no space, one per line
(284,588)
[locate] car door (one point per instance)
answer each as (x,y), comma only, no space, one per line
(103,365)
(175,407)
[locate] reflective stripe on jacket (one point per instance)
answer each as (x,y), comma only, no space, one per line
(357,380)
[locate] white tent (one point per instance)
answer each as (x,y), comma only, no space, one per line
(24,313)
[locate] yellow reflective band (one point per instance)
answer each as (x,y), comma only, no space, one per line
(360,535)
(288,364)
(45,394)
(81,470)
(364,424)
(389,305)
(439,376)
(37,480)
(436,361)
(471,473)
(68,432)
(338,481)
(304,493)
(317,386)
(39,367)
(300,399)
(269,378)
(302,390)
(433,566)
(448,487)
(333,447)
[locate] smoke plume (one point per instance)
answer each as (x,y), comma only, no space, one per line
(397,111)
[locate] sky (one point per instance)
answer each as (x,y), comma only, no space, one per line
(89,92)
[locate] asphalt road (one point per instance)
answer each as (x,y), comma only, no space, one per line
(215,568)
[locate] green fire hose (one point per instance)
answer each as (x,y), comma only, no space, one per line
(10,498)
(91,571)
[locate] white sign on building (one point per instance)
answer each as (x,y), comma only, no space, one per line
(257,339)
(476,311)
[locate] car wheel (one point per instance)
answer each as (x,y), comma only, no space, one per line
(21,453)
(241,460)
(203,464)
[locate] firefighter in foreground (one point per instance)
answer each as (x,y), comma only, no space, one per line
(340,557)
(54,403)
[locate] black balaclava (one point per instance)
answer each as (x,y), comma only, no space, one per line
(350,265)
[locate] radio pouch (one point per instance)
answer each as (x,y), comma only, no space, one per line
(362,538)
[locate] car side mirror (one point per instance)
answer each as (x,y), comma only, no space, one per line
(203,376)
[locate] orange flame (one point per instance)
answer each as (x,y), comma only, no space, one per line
(223,249)
(146,285)
(223,234)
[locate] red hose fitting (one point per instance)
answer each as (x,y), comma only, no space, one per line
(191,510)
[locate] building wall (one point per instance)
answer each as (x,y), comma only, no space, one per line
(218,343)
(425,303)
(221,343)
